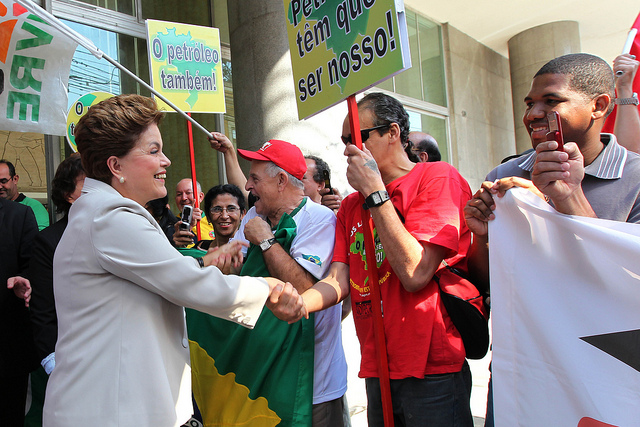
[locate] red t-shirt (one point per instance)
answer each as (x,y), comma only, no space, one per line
(421,338)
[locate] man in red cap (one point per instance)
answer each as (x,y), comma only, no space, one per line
(290,238)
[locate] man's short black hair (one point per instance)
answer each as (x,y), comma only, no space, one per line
(12,169)
(214,192)
(588,74)
(321,166)
(386,109)
(429,145)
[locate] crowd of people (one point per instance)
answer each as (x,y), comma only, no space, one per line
(97,302)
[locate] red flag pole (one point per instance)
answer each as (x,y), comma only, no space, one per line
(192,158)
(372,271)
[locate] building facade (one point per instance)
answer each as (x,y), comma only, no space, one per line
(459,90)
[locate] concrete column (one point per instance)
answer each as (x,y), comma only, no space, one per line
(264,99)
(263,89)
(528,52)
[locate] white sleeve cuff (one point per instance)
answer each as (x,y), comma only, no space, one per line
(49,362)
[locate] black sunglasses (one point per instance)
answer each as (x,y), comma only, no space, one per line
(364,134)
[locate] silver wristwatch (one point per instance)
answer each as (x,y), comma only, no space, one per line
(267,243)
(628,101)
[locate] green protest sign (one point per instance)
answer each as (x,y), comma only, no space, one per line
(341,48)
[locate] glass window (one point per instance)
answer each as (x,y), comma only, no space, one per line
(408,82)
(90,74)
(229,116)
(386,85)
(432,62)
(123,6)
(192,12)
(221,20)
(425,79)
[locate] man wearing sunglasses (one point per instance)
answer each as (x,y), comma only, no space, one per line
(9,190)
(417,210)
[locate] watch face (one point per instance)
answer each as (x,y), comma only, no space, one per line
(266,244)
(376,198)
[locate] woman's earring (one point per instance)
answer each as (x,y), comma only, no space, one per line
(122,180)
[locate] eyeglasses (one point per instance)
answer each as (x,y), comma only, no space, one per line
(3,181)
(217,210)
(364,134)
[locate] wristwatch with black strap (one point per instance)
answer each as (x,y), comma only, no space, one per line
(375,199)
(267,243)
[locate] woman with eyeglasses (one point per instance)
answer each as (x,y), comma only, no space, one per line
(224,206)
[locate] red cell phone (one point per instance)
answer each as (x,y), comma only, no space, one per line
(555,129)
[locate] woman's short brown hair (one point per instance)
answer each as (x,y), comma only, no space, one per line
(112,128)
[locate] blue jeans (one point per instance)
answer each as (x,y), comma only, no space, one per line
(436,400)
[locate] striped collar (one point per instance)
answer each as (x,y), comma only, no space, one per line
(608,165)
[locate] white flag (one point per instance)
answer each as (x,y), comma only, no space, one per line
(34,72)
(565,295)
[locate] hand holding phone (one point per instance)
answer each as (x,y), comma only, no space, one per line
(327,181)
(555,129)
(185,219)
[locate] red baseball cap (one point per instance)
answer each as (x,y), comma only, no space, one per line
(282,153)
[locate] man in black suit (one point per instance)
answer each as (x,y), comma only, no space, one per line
(18,228)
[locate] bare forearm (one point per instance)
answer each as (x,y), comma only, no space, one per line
(408,258)
(627,127)
(285,268)
(234,171)
(322,295)
(478,262)
(235,175)
(329,291)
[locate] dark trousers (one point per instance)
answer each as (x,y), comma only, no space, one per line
(328,414)
(13,396)
(436,400)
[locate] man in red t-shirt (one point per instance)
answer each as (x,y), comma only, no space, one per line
(419,223)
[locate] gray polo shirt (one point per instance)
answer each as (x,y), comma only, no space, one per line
(611,183)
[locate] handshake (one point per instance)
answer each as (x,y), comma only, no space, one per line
(284,301)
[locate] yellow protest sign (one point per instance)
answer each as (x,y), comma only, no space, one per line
(186,66)
(79,109)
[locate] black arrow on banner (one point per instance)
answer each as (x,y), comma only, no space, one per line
(624,346)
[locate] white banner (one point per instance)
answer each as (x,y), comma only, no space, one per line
(565,295)
(34,71)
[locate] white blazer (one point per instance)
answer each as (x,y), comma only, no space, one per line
(122,356)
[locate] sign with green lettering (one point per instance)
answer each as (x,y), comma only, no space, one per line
(34,66)
(186,66)
(342,48)
(79,109)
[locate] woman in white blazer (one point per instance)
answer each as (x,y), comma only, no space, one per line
(122,356)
